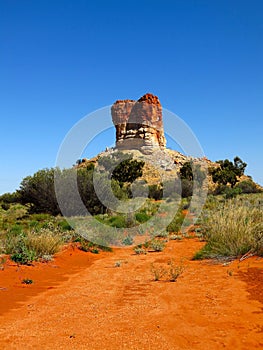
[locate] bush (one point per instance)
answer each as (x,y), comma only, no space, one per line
(232,230)
(25,248)
(44,242)
(127,240)
(157,245)
(176,223)
(39,192)
(228,172)
(15,245)
(155,192)
(248,186)
(172,272)
(5,206)
(191,171)
(158,271)
(175,270)
(120,192)
(128,170)
(24,257)
(64,226)
(9,198)
(85,245)
(117,221)
(142,217)
(232,192)
(140,250)
(16,230)
(187,188)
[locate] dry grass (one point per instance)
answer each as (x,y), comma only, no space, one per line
(232,230)
(45,242)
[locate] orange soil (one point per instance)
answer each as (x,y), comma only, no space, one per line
(83,301)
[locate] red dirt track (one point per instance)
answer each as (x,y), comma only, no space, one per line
(83,301)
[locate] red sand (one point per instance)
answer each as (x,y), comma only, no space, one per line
(82,301)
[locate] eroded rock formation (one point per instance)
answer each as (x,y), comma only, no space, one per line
(139,125)
(120,113)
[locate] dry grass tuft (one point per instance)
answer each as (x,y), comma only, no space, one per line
(232,230)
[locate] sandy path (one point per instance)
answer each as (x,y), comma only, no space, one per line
(106,307)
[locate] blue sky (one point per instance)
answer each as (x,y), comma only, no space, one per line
(61,60)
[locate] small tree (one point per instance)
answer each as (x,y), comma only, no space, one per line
(128,171)
(189,173)
(228,172)
(186,172)
(38,191)
(192,172)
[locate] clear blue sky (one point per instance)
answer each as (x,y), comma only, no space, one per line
(60,60)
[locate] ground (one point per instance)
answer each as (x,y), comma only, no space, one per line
(111,301)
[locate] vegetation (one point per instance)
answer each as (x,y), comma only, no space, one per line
(232,228)
(128,171)
(170,271)
(156,192)
(158,271)
(248,186)
(228,172)
(189,173)
(177,222)
(157,245)
(175,270)
(31,226)
(140,250)
(26,247)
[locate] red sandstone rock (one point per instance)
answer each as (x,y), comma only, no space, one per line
(139,124)
(120,112)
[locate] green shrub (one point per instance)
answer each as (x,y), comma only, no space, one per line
(25,248)
(230,192)
(248,186)
(142,217)
(5,206)
(95,251)
(155,191)
(120,192)
(185,203)
(128,170)
(88,246)
(9,198)
(128,240)
(16,230)
(228,172)
(17,248)
(64,225)
(85,245)
(12,242)
(187,188)
(38,191)
(176,224)
(118,221)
